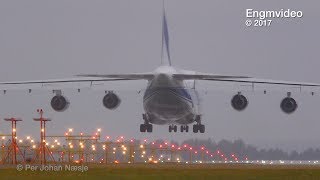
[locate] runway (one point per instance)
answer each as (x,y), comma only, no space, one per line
(173,171)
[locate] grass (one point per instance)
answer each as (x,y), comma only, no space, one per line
(173,172)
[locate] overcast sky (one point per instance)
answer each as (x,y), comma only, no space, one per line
(58,39)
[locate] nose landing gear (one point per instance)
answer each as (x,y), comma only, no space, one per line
(174,128)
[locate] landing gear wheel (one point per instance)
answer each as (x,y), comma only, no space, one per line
(184,128)
(198,127)
(195,128)
(173,128)
(149,128)
(143,128)
(202,128)
(146,127)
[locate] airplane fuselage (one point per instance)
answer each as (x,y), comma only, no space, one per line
(167,100)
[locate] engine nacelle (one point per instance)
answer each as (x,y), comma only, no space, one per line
(239,102)
(59,103)
(111,101)
(288,105)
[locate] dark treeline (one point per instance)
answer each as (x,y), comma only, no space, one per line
(242,150)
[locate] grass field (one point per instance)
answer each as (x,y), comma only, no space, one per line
(172,172)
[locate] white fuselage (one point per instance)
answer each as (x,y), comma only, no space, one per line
(168,101)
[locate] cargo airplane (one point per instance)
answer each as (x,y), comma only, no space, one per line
(167,99)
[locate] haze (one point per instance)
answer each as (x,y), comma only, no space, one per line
(58,39)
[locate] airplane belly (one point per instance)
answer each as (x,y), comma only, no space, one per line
(167,106)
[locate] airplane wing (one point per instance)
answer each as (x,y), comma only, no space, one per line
(134,76)
(240,79)
(87,78)
(265,81)
(82,81)
(204,76)
(54,81)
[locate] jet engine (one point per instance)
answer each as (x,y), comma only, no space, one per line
(288,105)
(239,102)
(111,101)
(59,103)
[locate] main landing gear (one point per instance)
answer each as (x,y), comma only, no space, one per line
(198,127)
(146,126)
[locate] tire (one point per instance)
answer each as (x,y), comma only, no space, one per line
(195,128)
(187,128)
(149,128)
(175,128)
(181,128)
(142,128)
(202,128)
(170,129)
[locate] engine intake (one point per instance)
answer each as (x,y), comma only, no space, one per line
(111,101)
(59,103)
(239,102)
(288,105)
